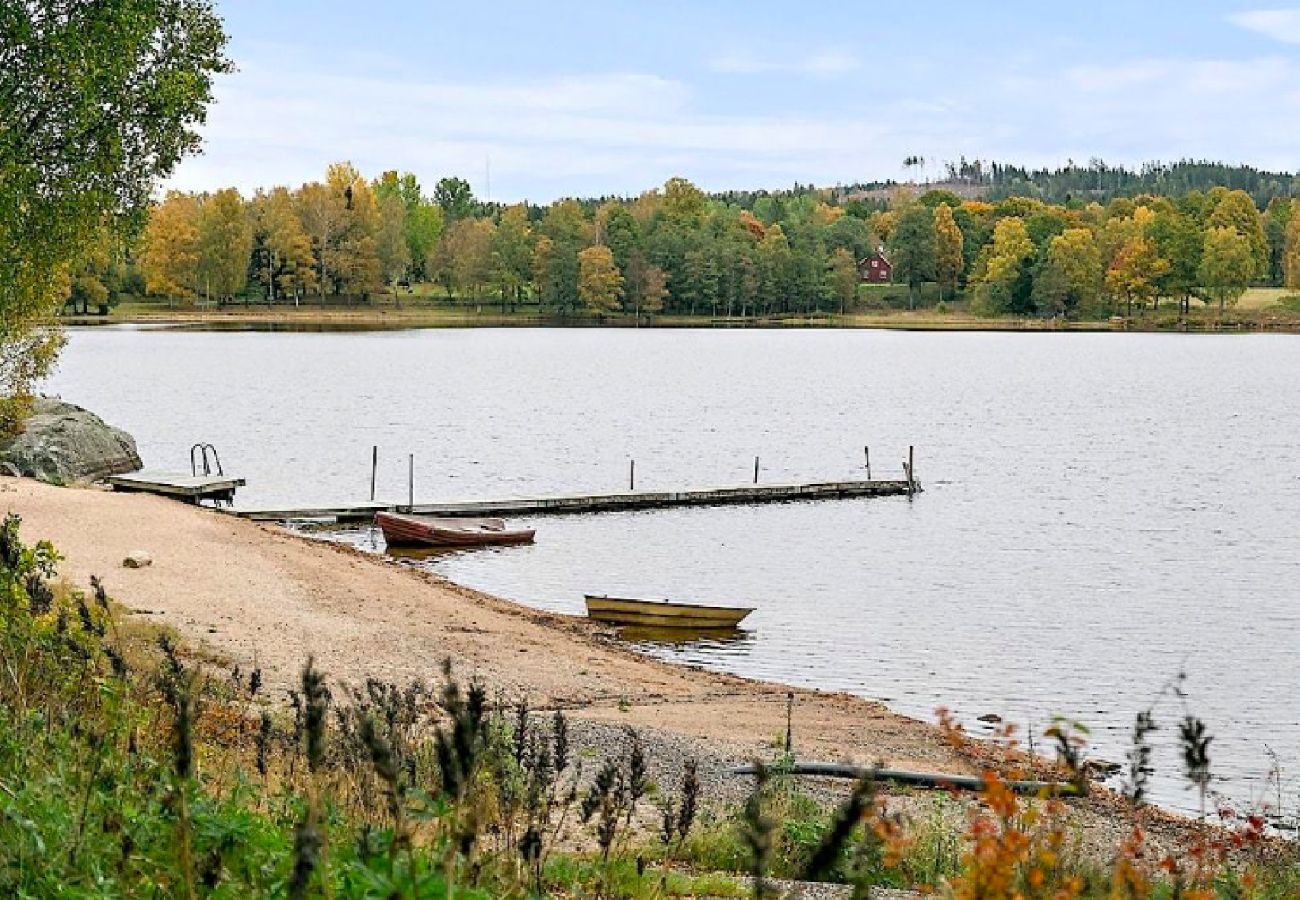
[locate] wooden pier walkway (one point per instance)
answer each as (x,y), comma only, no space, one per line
(593,503)
(190,488)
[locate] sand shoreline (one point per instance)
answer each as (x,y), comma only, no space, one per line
(259,595)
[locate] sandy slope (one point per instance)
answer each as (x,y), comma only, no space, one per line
(255,594)
(258,595)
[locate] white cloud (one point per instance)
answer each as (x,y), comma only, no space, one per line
(827,63)
(1278,24)
(283,123)
(284,120)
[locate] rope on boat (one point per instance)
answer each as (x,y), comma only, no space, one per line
(916,779)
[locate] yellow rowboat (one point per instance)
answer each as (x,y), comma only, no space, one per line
(663,613)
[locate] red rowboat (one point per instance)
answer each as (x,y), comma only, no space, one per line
(435,531)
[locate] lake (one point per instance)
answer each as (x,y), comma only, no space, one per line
(1101,511)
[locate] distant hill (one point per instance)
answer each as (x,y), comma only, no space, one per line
(1071,183)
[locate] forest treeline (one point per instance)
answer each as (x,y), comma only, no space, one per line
(1100,181)
(678,250)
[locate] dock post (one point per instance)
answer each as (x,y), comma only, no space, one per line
(911,479)
(866,451)
(374,466)
(789,723)
(755,470)
(631,475)
(410,482)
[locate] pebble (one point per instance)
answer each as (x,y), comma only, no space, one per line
(137,559)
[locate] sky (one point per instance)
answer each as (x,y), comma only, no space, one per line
(552,98)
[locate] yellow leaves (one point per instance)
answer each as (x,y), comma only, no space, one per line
(1135,269)
(225,240)
(465,254)
(1291,261)
(1011,247)
(1143,216)
(950,243)
(683,201)
(600,284)
(1237,210)
(883,225)
(289,245)
(654,289)
(825,215)
(169,256)
(1227,264)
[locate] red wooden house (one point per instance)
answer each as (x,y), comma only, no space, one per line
(875,269)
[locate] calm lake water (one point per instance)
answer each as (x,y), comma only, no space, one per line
(1101,511)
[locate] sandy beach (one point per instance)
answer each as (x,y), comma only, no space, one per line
(257,595)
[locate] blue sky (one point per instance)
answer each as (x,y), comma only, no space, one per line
(569,97)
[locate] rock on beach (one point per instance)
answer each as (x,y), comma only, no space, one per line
(63,443)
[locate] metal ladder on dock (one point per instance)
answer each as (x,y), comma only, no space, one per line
(199,457)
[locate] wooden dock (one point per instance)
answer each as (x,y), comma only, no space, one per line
(594,503)
(190,488)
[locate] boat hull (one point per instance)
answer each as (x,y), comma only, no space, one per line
(427,531)
(663,614)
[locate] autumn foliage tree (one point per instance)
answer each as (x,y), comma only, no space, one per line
(679,250)
(654,288)
(600,285)
(1070,279)
(1135,272)
(169,257)
(1236,210)
(1228,265)
(950,249)
(225,240)
(291,270)
(1292,263)
(390,241)
(1003,283)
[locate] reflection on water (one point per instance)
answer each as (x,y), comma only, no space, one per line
(420,554)
(284,327)
(686,637)
(688,642)
(1102,510)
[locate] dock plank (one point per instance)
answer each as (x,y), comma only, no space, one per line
(177,484)
(611,502)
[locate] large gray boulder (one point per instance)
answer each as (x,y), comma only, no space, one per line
(62,443)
